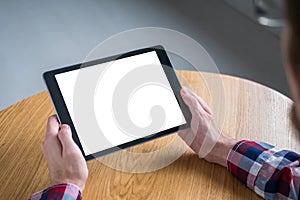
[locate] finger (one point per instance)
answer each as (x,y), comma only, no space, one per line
(52,126)
(182,133)
(194,106)
(190,139)
(196,145)
(188,99)
(65,137)
(203,104)
(187,136)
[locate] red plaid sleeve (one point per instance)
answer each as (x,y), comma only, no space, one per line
(270,172)
(58,192)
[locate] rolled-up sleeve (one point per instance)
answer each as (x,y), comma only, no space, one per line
(65,191)
(271,172)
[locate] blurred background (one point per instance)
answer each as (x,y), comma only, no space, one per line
(36,36)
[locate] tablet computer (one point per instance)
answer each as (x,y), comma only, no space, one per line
(120,101)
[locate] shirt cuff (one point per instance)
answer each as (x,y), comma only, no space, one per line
(246,158)
(59,191)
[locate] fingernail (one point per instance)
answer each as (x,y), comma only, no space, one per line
(65,126)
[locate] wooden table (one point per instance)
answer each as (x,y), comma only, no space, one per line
(243,109)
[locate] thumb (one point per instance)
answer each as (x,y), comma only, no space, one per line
(65,137)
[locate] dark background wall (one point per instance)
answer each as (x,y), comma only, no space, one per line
(39,35)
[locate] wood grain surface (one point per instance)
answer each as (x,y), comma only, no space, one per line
(243,110)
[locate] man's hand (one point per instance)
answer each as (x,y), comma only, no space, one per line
(203,136)
(64,158)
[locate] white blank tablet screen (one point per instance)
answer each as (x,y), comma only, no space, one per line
(119,101)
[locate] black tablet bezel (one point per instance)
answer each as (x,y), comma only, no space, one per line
(65,118)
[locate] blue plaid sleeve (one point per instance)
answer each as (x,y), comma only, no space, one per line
(272,173)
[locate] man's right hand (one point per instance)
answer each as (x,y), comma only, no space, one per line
(65,161)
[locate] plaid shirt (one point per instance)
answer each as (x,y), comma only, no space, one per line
(65,191)
(272,173)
